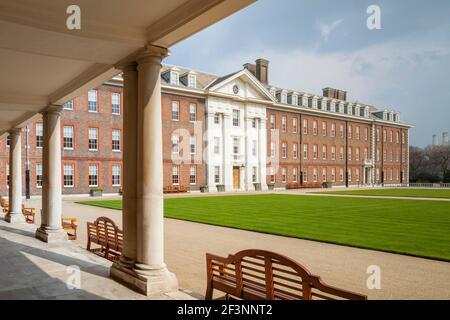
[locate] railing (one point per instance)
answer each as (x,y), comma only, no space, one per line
(430,185)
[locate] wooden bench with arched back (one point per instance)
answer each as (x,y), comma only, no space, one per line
(264,275)
(105,233)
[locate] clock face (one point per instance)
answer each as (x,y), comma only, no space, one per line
(236,89)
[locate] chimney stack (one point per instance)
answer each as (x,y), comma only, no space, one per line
(262,70)
(434,142)
(335,94)
(445,139)
(251,67)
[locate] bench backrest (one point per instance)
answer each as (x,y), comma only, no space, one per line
(106,232)
(264,275)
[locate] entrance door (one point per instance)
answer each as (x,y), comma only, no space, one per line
(236,178)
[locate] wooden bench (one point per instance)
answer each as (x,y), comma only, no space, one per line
(176,189)
(29,214)
(105,233)
(5,206)
(264,275)
(70,224)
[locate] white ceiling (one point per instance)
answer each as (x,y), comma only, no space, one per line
(42,62)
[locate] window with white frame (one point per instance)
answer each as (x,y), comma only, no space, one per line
(294,151)
(357,154)
(39,176)
(192,81)
(254,123)
(366,134)
(324,174)
(283,175)
(350,132)
(39,135)
(272,122)
(115,103)
(333,175)
(174,77)
(283,123)
(175,175)
(378,155)
(92,101)
(236,145)
(305,127)
(357,133)
(8,140)
(272,174)
(254,148)
(315,152)
(116,137)
(341,175)
(324,152)
(294,125)
(284,97)
(283,150)
(216,118)
(378,135)
(350,153)
(175,111)
(216,145)
(397,137)
(68,137)
(341,131)
(254,174)
(294,175)
(217,175)
(315,128)
(175,144)
(366,154)
(193,175)
(305,151)
(305,175)
(314,175)
(324,129)
(236,118)
(341,154)
(68,105)
(333,130)
(93,175)
(193,145)
(384,136)
(116,175)
(357,175)
(192,112)
(333,153)
(349,175)
(93,139)
(272,149)
(68,175)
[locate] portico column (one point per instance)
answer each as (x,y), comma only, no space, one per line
(50,230)
(149,275)
(15,178)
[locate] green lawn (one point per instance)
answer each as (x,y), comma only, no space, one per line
(409,193)
(419,228)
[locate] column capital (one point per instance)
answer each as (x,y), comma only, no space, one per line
(127,66)
(52,109)
(152,52)
(15,131)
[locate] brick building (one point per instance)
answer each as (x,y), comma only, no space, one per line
(234,131)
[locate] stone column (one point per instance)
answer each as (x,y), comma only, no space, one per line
(129,188)
(51,230)
(227,167)
(15,178)
(149,275)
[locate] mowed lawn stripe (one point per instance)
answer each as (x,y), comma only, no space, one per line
(419,228)
(398,192)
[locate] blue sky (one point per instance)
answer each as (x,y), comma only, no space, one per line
(312,44)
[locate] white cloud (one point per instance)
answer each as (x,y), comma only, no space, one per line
(326,30)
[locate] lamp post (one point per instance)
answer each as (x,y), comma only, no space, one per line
(27,164)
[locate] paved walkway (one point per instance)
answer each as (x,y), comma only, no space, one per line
(186,243)
(31,270)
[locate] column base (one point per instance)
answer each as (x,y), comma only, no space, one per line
(51,235)
(14,218)
(154,282)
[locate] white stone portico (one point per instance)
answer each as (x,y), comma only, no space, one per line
(236,132)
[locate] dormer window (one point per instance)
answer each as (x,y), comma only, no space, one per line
(192,81)
(174,77)
(366,112)
(294,99)
(305,101)
(284,97)
(273,92)
(314,103)
(341,107)
(357,111)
